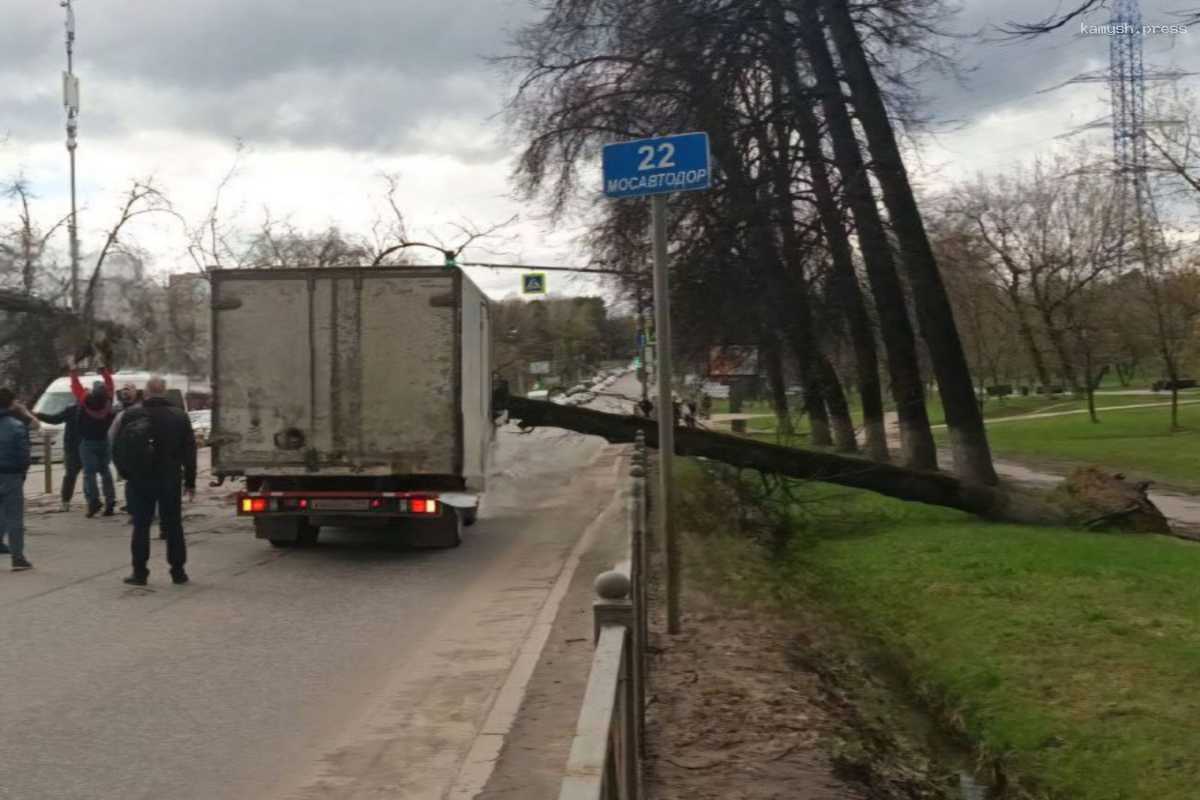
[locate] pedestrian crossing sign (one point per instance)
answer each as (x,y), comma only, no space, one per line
(533,283)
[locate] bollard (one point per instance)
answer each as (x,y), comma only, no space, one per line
(47,465)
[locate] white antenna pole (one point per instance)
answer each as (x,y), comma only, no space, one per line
(71,103)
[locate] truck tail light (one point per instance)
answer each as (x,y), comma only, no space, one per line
(254,505)
(422,505)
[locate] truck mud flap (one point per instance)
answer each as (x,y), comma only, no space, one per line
(440,533)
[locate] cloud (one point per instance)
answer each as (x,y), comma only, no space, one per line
(327,95)
(357,74)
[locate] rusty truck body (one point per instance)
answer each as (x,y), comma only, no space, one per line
(352,397)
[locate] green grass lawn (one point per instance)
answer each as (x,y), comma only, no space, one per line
(1072,658)
(1135,441)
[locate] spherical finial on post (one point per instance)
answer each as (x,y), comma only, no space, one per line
(612,585)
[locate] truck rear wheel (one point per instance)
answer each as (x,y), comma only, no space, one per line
(469,515)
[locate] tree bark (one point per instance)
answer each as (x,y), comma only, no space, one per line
(820,433)
(1058,341)
(774,363)
(1029,338)
(788,300)
(844,440)
(972,455)
(917,448)
(845,284)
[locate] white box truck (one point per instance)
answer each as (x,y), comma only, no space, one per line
(352,397)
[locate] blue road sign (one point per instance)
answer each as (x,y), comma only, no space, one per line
(662,165)
(533,283)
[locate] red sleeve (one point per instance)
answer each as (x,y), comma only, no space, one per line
(77,387)
(109,386)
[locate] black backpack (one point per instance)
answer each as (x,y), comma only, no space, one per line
(135,447)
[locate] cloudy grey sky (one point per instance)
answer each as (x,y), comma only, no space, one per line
(327,95)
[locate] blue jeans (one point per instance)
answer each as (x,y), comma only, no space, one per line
(12,513)
(94,455)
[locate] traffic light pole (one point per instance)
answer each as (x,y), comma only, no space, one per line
(666,410)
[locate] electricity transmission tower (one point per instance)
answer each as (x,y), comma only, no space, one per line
(1127,77)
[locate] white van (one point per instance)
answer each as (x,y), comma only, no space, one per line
(58,396)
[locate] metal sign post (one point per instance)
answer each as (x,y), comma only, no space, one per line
(659,167)
(666,410)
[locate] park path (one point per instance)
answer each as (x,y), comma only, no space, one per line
(890,416)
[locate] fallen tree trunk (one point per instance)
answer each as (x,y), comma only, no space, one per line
(21,303)
(1007,503)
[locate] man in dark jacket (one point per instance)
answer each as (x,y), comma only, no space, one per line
(69,419)
(174,466)
(14,463)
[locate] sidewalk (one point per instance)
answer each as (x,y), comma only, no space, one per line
(533,758)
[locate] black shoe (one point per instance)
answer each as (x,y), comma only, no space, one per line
(108,511)
(136,580)
(179,577)
(92,511)
(4,550)
(19,564)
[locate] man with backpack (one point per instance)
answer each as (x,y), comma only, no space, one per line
(155,452)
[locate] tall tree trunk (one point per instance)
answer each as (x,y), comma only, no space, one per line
(843,278)
(968,438)
(1063,352)
(844,439)
(797,286)
(1029,338)
(788,301)
(917,449)
(1091,384)
(779,401)
(820,432)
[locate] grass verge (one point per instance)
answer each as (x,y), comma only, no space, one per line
(1068,658)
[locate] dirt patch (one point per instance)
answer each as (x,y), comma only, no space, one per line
(746,706)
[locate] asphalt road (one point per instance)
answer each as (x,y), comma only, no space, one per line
(357,668)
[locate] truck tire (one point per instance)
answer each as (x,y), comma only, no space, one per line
(469,515)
